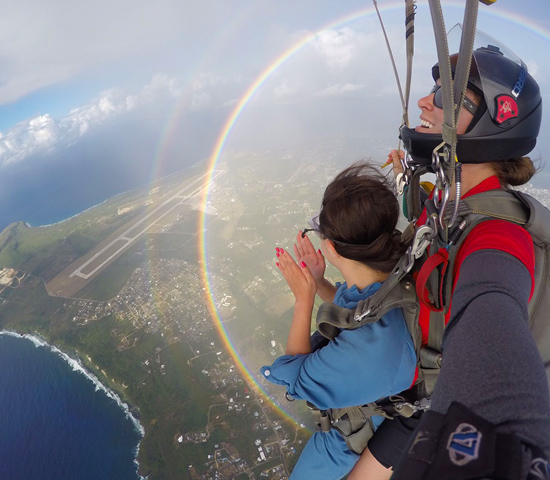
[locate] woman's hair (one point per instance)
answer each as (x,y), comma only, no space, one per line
(514,172)
(360,208)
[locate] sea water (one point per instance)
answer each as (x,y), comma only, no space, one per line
(56,422)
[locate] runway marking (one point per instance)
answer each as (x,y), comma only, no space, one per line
(127,237)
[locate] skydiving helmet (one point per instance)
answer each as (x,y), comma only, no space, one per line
(506,123)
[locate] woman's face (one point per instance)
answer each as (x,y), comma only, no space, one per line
(431,117)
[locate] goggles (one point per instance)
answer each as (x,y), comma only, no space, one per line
(438,100)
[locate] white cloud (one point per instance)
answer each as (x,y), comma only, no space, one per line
(37,134)
(339,47)
(43,133)
(45,43)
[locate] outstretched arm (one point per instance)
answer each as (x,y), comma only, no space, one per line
(490,360)
(492,378)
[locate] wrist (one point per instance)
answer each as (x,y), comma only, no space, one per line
(321,282)
(304,304)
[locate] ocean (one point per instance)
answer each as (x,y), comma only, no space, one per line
(50,187)
(56,421)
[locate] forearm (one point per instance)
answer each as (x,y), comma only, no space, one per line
(490,361)
(326,290)
(300,329)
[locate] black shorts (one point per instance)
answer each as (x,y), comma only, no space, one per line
(391,438)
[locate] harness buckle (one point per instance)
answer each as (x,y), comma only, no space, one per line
(400,181)
(407,409)
(422,239)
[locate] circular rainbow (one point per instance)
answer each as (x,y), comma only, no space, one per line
(236,113)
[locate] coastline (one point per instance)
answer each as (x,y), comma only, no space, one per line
(77,366)
(108,199)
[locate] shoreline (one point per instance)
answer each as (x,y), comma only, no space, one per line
(77,366)
(109,198)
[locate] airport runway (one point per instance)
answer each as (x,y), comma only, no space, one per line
(80,272)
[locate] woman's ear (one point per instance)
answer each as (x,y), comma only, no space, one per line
(329,244)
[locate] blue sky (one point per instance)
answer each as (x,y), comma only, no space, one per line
(68,69)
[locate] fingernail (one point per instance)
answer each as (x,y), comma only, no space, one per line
(302,264)
(277,264)
(277,253)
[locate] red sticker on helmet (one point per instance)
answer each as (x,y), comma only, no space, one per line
(507,109)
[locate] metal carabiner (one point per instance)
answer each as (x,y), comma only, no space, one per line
(422,240)
(400,182)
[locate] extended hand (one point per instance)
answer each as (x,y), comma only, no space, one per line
(299,278)
(305,252)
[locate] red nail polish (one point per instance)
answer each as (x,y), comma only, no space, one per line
(277,253)
(277,264)
(303,264)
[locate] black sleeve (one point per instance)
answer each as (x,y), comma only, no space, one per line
(490,361)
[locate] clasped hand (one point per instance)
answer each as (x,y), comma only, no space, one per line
(298,277)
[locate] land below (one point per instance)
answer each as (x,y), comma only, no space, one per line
(125,288)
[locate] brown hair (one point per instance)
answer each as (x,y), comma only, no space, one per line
(360,208)
(514,172)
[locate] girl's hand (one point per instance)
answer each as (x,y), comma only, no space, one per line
(305,252)
(299,278)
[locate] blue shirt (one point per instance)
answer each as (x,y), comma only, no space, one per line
(357,367)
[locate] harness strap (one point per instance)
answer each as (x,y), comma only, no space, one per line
(410,11)
(438,261)
(331,318)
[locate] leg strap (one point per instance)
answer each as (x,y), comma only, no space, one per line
(460,445)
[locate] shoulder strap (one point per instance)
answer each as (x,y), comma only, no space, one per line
(331,318)
(494,204)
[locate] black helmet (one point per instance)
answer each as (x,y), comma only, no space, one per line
(505,125)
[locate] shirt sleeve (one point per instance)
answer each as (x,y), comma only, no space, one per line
(503,236)
(357,367)
(491,363)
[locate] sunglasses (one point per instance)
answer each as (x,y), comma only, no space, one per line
(438,100)
(314,226)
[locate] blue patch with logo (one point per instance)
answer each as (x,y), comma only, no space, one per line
(463,444)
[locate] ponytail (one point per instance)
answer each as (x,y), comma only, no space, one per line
(514,172)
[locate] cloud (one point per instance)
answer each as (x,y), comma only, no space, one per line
(340,47)
(46,43)
(27,138)
(41,134)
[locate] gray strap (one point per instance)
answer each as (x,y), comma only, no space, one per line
(436,330)
(409,37)
(445,72)
(465,54)
(331,318)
